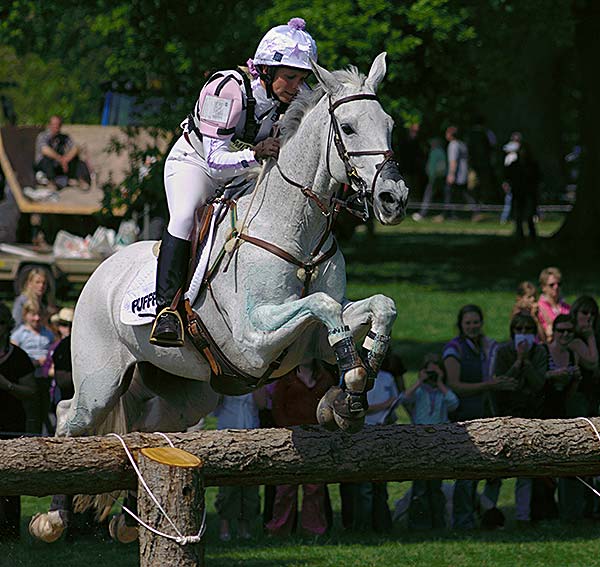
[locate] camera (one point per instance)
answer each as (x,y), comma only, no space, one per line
(432,376)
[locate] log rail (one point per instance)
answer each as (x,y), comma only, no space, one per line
(487,448)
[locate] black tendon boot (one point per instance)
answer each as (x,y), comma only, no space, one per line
(173,260)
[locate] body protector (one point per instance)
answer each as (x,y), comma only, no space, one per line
(230,116)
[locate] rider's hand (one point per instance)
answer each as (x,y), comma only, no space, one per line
(269,147)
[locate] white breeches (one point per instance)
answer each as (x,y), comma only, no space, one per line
(188,186)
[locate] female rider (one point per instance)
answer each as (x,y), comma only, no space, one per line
(222,139)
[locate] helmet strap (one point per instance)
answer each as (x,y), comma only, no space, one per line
(268,76)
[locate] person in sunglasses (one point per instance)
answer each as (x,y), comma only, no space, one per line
(526,362)
(550,303)
(584,313)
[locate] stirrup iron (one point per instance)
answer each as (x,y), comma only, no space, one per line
(167,341)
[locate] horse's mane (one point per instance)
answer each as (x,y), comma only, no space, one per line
(306,100)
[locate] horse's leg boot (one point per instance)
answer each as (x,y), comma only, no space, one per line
(173,260)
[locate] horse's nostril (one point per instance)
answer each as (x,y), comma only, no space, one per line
(386,197)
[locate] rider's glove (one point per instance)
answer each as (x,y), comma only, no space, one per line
(269,147)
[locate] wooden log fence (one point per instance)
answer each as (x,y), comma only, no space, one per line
(487,448)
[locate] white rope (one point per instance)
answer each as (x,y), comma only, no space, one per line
(578,477)
(179,538)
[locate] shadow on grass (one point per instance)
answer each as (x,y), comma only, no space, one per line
(465,262)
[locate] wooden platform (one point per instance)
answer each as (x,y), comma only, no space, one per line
(17,149)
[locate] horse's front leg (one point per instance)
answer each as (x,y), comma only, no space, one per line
(373,317)
(271,328)
(370,319)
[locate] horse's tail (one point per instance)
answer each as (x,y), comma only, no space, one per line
(115,422)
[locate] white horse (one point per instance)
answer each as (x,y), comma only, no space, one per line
(257,309)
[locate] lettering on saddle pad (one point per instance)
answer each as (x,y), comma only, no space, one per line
(141,304)
(138,305)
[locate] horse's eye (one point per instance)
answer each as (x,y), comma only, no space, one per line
(347,129)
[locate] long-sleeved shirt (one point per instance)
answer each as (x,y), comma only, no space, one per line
(429,405)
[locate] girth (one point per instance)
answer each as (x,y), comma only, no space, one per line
(226,378)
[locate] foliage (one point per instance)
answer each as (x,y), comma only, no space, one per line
(44,87)
(421,37)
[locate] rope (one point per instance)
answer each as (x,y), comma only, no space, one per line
(179,538)
(578,477)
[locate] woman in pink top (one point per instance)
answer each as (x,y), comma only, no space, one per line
(550,303)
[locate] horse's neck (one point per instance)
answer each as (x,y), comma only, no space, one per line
(285,214)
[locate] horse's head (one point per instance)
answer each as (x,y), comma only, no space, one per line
(361,134)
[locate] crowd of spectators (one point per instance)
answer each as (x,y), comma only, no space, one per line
(548,369)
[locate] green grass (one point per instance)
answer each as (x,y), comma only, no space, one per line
(430,270)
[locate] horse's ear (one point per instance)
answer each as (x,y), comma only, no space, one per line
(325,78)
(377,72)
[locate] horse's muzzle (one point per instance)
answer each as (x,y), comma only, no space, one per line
(390,199)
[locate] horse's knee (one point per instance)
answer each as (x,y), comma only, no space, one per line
(383,307)
(326,308)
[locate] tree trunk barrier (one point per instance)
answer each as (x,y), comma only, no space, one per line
(486,448)
(175,479)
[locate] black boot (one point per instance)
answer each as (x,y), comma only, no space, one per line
(173,260)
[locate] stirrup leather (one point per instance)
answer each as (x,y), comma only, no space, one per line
(178,341)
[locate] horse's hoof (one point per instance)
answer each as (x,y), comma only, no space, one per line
(120,531)
(349,425)
(47,527)
(350,405)
(325,414)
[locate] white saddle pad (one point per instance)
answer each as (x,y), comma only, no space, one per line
(139,302)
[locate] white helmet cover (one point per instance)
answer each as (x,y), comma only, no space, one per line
(288,45)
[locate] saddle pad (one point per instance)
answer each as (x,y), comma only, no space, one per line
(139,302)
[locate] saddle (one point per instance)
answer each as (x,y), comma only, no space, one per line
(226,378)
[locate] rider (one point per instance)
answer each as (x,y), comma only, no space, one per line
(220,141)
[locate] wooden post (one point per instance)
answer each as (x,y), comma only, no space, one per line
(175,478)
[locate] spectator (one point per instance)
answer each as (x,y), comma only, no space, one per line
(59,379)
(458,173)
(563,400)
(526,362)
(369,507)
(264,399)
(522,179)
(17,384)
(239,504)
(57,158)
(428,401)
(295,401)
(35,339)
(510,150)
(468,361)
(412,159)
(584,313)
(436,176)
(482,143)
(35,288)
(526,301)
(550,303)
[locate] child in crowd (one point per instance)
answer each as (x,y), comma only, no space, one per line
(428,402)
(35,339)
(526,301)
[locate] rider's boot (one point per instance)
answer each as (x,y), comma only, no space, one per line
(173,260)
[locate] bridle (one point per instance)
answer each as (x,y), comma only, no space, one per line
(362,192)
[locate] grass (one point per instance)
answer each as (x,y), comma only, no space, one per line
(430,270)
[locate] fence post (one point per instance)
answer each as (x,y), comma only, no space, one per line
(175,478)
